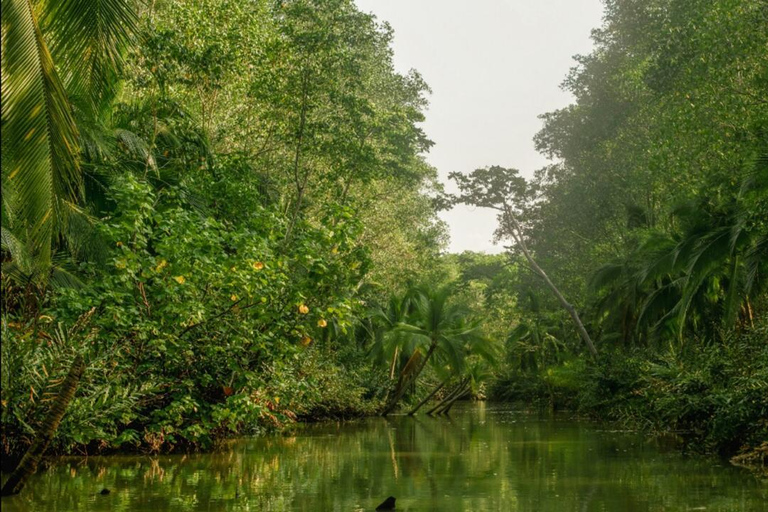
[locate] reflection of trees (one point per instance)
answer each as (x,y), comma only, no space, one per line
(483,461)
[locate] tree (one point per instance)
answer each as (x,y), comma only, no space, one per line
(51,52)
(436,324)
(706,273)
(505,191)
(390,342)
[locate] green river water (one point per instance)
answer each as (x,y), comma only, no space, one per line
(484,458)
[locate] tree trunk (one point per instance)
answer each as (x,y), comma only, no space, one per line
(447,397)
(450,395)
(393,365)
(402,387)
(446,404)
(28,464)
(298,181)
(427,399)
(513,227)
(447,408)
(406,373)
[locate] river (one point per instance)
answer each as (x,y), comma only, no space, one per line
(485,457)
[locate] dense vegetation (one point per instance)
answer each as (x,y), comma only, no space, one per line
(654,223)
(219,214)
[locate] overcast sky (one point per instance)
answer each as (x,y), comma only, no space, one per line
(494,66)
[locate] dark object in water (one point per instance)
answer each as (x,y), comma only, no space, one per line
(105,491)
(389,504)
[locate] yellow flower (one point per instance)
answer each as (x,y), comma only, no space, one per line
(322,323)
(277,399)
(180,279)
(160,266)
(233,297)
(306,340)
(257,265)
(119,244)
(303,309)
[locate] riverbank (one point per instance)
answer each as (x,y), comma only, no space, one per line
(710,399)
(714,397)
(317,385)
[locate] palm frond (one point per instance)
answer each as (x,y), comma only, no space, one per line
(88,40)
(15,247)
(39,134)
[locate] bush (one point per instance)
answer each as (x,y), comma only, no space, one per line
(202,329)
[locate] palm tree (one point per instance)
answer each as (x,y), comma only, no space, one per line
(55,54)
(436,324)
(45,432)
(475,372)
(537,338)
(389,342)
(707,273)
(53,51)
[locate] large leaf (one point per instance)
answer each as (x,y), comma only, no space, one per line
(39,137)
(88,40)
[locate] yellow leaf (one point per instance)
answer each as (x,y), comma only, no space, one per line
(180,279)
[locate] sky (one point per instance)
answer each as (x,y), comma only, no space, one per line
(493,66)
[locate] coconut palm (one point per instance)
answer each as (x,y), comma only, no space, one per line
(707,273)
(436,324)
(55,54)
(389,342)
(476,371)
(53,51)
(538,337)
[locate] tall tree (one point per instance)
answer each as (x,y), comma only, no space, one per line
(505,191)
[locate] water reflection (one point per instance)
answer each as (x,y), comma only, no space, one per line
(483,458)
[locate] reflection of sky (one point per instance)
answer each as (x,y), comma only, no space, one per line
(494,66)
(483,458)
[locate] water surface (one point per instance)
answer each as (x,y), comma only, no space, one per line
(484,458)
